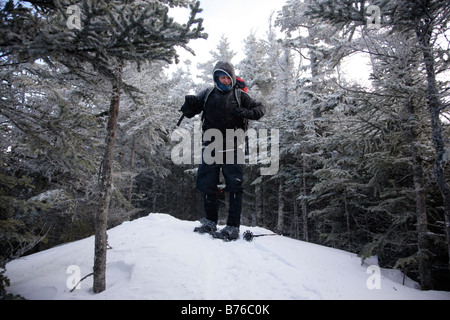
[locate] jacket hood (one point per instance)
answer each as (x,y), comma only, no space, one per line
(228,69)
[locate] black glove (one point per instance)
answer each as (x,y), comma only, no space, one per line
(191,99)
(190,106)
(243,113)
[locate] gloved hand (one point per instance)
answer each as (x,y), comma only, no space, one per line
(243,113)
(190,106)
(191,99)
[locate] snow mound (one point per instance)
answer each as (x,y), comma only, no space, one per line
(160,257)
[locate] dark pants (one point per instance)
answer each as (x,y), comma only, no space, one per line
(208,177)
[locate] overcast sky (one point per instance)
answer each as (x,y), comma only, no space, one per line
(235,19)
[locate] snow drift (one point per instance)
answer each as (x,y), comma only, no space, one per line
(159,257)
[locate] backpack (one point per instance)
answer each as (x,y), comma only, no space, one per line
(240,83)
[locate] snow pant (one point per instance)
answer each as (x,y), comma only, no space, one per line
(210,204)
(208,177)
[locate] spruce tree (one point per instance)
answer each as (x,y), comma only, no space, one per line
(423,22)
(223,52)
(427,18)
(253,68)
(94,40)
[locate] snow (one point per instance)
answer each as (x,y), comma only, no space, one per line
(160,257)
(53,196)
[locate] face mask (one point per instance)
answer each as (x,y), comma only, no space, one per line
(220,85)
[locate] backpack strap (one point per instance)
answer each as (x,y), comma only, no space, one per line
(205,100)
(238,94)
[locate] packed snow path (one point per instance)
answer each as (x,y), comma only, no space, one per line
(160,257)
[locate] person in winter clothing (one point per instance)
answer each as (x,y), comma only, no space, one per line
(224,107)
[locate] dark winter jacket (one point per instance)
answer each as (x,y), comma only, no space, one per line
(222,109)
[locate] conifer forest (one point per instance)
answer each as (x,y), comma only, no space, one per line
(88,107)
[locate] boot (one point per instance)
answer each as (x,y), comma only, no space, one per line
(228,233)
(209,223)
(207,226)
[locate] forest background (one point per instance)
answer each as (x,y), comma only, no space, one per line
(364,167)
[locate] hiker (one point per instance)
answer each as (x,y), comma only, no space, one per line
(225,106)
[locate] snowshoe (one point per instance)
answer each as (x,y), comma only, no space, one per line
(207,226)
(228,233)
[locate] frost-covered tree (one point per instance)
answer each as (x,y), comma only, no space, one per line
(49,139)
(420,24)
(254,68)
(311,88)
(109,34)
(427,20)
(223,52)
(144,126)
(181,82)
(399,85)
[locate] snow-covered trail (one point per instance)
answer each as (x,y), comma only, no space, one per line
(159,257)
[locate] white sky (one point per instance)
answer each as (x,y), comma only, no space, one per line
(235,19)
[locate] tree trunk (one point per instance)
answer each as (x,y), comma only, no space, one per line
(280,222)
(130,185)
(295,223)
(423,242)
(347,219)
(258,206)
(424,33)
(263,206)
(304,207)
(101,219)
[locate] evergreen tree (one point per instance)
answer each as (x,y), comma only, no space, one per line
(223,52)
(427,19)
(49,142)
(109,34)
(315,96)
(253,68)
(405,19)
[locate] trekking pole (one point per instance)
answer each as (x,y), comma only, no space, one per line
(248,235)
(179,121)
